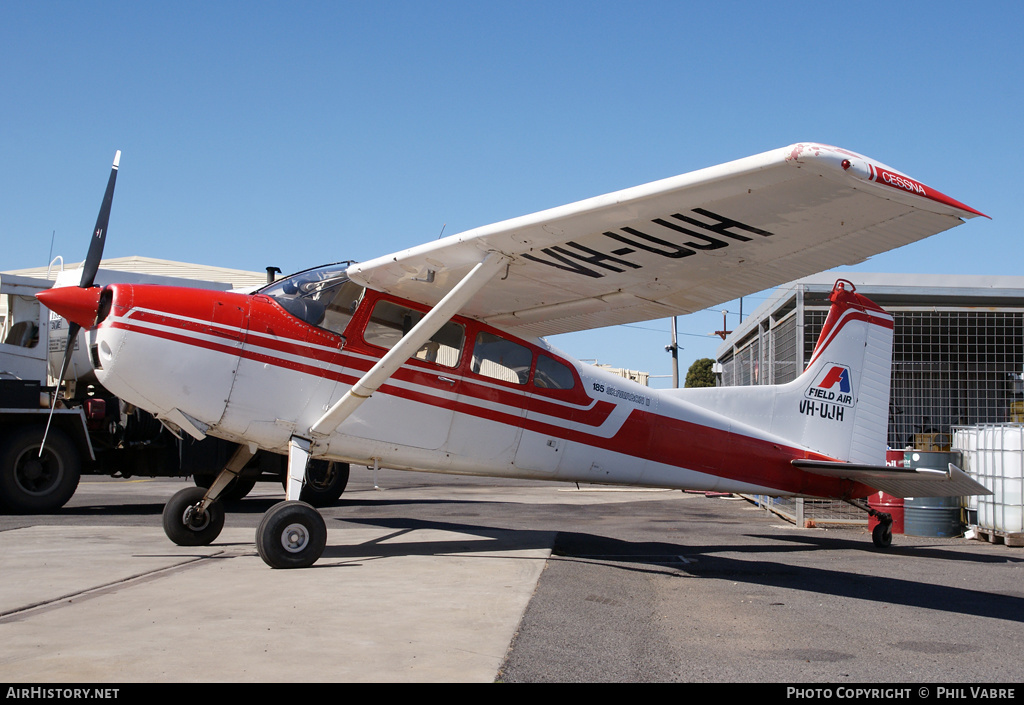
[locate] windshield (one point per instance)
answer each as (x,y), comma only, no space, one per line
(322,296)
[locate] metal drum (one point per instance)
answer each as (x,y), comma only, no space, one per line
(934,517)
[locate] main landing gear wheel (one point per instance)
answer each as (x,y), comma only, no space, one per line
(185,525)
(291,535)
(881,535)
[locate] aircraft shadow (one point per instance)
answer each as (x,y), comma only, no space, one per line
(92,510)
(485,539)
(706,561)
(248,505)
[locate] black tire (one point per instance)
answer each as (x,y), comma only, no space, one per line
(291,535)
(881,535)
(184,526)
(236,490)
(326,480)
(30,484)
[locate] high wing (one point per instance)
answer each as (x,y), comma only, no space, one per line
(677,245)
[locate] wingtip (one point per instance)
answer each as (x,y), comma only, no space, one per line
(117,158)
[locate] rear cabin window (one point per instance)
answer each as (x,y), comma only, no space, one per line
(494,356)
(552,374)
(390,321)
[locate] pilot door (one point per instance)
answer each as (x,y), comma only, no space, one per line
(293,358)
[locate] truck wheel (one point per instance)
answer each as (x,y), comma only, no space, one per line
(325,482)
(30,484)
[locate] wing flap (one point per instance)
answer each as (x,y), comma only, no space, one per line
(674,246)
(900,482)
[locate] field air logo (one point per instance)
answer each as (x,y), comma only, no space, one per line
(833,385)
(831,391)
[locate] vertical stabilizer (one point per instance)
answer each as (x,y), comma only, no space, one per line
(844,392)
(839,406)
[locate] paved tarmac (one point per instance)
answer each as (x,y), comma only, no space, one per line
(442,579)
(123,604)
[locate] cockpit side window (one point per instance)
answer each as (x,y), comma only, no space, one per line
(321,297)
(389,322)
(341,307)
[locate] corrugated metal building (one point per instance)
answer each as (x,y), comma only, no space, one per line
(168,271)
(958,348)
(236,278)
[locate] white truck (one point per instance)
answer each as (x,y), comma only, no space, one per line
(93,432)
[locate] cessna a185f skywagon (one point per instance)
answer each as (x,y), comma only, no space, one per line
(433,358)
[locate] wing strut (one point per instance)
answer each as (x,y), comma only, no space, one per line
(440,314)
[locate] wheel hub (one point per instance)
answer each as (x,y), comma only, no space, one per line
(37,475)
(294,538)
(195,519)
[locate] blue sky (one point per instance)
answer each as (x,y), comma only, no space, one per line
(296,133)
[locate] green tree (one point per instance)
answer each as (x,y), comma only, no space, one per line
(700,373)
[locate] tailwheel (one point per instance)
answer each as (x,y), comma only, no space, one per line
(291,535)
(186,524)
(881,535)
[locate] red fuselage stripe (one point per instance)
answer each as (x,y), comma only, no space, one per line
(643,434)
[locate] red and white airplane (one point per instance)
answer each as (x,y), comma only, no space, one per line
(432,358)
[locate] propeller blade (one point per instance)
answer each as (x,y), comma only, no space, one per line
(69,349)
(89,269)
(99,233)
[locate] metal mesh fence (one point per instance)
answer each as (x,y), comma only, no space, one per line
(783,345)
(953,368)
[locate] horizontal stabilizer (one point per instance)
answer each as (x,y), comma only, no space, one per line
(899,482)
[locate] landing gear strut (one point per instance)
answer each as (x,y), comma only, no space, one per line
(881,535)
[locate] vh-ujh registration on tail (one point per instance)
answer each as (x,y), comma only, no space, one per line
(433,358)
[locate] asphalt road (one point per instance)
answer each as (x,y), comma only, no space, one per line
(588,585)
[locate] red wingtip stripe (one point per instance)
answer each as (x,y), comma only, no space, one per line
(905,183)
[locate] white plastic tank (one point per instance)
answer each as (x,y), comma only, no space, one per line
(994,456)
